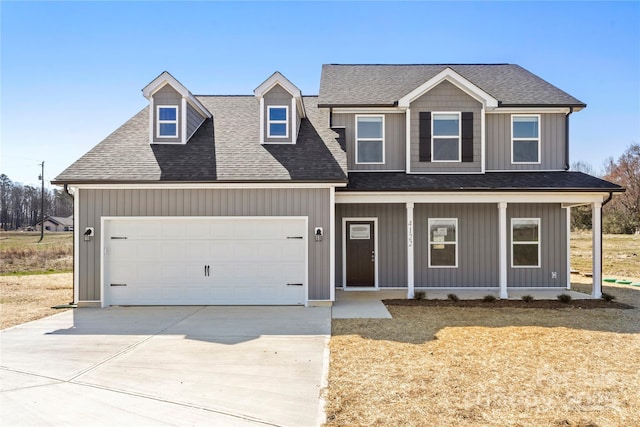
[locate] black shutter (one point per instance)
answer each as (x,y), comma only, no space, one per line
(425,136)
(467,137)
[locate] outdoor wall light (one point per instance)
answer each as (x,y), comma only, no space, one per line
(318,233)
(89,232)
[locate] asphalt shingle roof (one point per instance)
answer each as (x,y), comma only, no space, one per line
(490,181)
(225,148)
(384,85)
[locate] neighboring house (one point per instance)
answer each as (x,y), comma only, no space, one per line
(395,176)
(57,223)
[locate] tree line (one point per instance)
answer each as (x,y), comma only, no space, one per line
(622,214)
(21,205)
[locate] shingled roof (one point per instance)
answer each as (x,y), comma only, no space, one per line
(490,181)
(225,148)
(384,85)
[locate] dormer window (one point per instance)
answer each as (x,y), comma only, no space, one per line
(278,121)
(167,121)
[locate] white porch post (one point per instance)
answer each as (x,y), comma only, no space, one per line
(410,256)
(596,215)
(502,252)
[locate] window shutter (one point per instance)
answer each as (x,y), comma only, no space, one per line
(425,136)
(467,137)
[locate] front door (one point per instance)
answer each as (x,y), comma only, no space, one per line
(360,248)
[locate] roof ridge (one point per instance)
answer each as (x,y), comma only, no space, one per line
(439,64)
(246,96)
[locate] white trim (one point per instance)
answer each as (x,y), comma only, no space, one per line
(526,170)
(457,80)
(151,120)
(430,242)
(374,170)
(183,136)
(104,255)
(344,250)
(212,185)
(538,139)
(167,79)
(76,245)
(568,208)
(483,139)
(445,172)
(368,110)
(261,120)
(294,121)
(458,137)
(467,197)
(370,139)
(159,122)
(538,110)
(332,245)
(538,242)
(596,227)
(502,250)
(407,141)
(286,121)
(410,252)
(278,79)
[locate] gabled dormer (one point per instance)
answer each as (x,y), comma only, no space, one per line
(174,113)
(281,110)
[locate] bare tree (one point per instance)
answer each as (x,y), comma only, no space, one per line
(622,214)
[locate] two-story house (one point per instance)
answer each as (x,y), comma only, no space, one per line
(395,176)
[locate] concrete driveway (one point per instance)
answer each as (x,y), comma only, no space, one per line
(231,366)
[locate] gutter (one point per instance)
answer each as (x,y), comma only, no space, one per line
(73,258)
(566,139)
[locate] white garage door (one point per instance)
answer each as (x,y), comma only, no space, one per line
(205,261)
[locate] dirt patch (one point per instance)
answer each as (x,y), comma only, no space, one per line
(501,303)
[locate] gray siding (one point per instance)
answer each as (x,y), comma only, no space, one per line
(167,96)
(552,143)
(277,96)
(477,246)
(194,120)
(445,97)
(313,203)
(553,253)
(394,140)
(392,240)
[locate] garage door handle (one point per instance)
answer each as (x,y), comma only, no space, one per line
(118,284)
(118,238)
(294,284)
(295,237)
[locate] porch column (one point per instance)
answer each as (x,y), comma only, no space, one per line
(596,216)
(410,256)
(502,251)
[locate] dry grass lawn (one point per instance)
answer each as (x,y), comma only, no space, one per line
(26,298)
(20,252)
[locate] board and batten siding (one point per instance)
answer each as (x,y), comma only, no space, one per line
(392,240)
(394,141)
(167,96)
(477,246)
(278,96)
(96,203)
(552,143)
(194,120)
(553,252)
(445,98)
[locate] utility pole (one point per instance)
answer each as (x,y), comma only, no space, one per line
(42,204)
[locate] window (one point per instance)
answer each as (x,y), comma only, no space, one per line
(525,137)
(445,137)
(370,139)
(443,242)
(278,122)
(525,242)
(167,121)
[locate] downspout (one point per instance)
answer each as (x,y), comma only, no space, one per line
(601,212)
(73,258)
(566,139)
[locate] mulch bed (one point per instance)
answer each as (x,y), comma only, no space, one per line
(549,304)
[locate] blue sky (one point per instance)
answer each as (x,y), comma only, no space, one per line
(72,72)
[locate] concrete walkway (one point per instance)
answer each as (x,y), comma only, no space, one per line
(231,366)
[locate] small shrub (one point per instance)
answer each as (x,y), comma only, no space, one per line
(564,298)
(527,298)
(453,297)
(489,298)
(419,295)
(608,297)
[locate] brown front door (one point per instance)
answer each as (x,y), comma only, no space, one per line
(360,248)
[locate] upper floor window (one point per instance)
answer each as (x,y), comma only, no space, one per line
(445,137)
(278,121)
(525,242)
(443,242)
(370,139)
(167,121)
(525,139)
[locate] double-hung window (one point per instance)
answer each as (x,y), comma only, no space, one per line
(443,242)
(445,137)
(370,139)
(525,242)
(167,126)
(525,139)
(278,121)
